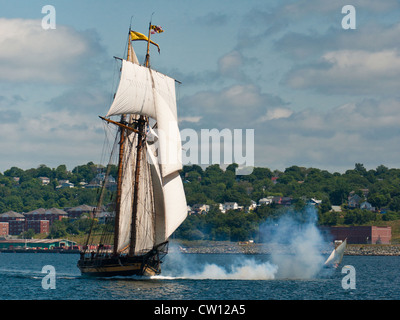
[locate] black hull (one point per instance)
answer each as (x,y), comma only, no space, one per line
(102,265)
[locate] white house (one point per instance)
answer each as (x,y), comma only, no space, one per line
(314,202)
(65,184)
(253,205)
(367,206)
(200,208)
(265,201)
(44,180)
(231,206)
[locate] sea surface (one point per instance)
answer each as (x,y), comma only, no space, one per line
(55,276)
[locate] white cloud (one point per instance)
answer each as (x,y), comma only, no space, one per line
(190,119)
(53,138)
(230,65)
(88,100)
(236,106)
(350,72)
(277,113)
(52,94)
(365,132)
(31,54)
(309,7)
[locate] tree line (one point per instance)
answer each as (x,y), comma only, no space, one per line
(380,187)
(27,193)
(213,185)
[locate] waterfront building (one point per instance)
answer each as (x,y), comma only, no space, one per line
(36,244)
(52,215)
(11,215)
(15,220)
(77,212)
(38,226)
(4,229)
(363,234)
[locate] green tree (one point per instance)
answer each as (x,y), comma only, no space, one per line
(61,172)
(28,234)
(58,230)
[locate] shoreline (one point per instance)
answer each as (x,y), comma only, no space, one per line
(215,247)
(225,247)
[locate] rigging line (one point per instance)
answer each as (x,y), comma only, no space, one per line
(108,129)
(114,81)
(103,233)
(106,143)
(127,42)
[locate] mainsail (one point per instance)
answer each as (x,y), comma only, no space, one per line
(153,182)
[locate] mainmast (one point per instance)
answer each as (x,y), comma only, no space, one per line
(147,62)
(119,184)
(141,125)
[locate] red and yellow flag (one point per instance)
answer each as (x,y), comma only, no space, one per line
(156,29)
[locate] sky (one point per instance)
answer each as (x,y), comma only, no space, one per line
(315,93)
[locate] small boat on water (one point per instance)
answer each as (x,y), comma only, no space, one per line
(336,256)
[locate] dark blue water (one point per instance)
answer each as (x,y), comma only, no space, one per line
(210,277)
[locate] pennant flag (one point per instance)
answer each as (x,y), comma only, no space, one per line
(156,29)
(140,36)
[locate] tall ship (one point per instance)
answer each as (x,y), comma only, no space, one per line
(149,203)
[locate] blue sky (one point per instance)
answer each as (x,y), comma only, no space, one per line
(315,94)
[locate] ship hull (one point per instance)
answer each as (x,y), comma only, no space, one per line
(110,267)
(148,264)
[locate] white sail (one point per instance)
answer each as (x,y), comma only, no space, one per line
(135,92)
(161,199)
(132,55)
(125,216)
(145,221)
(170,200)
(169,139)
(336,256)
(150,93)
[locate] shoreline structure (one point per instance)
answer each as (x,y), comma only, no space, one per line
(247,248)
(225,247)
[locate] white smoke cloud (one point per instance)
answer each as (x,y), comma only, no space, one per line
(298,234)
(242,268)
(298,254)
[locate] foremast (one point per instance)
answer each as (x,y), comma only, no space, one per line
(119,184)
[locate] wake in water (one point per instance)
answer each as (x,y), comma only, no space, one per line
(247,269)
